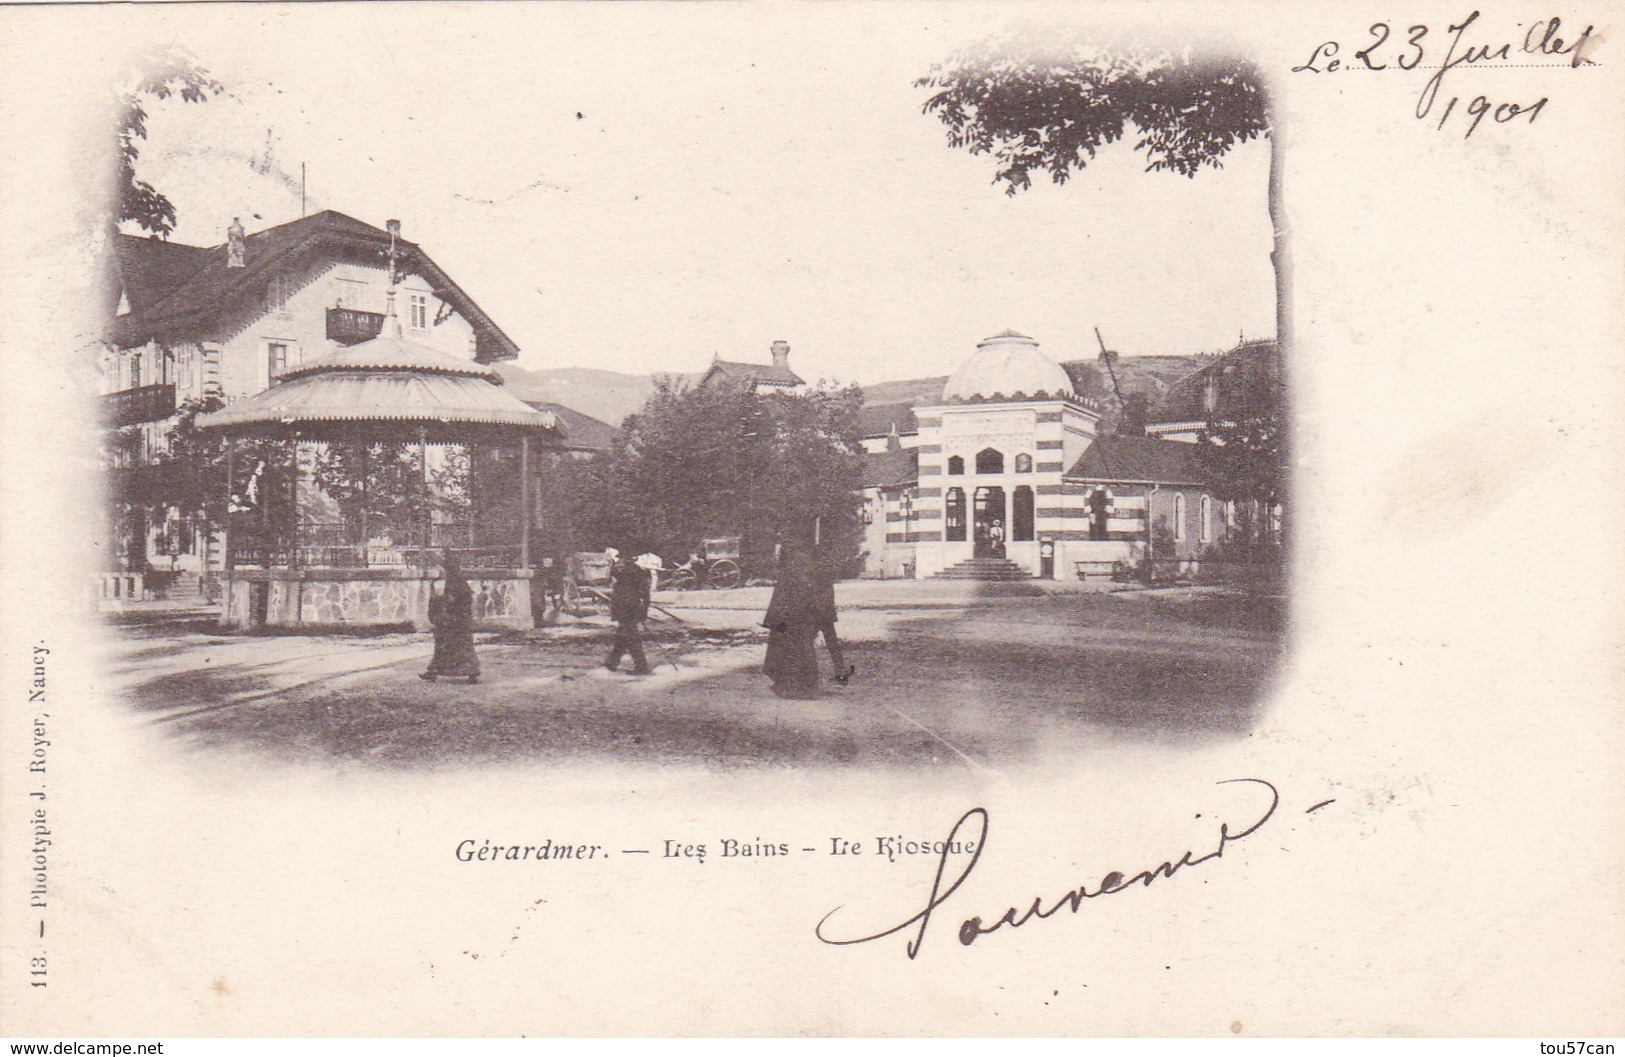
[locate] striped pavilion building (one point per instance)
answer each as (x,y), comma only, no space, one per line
(1008,474)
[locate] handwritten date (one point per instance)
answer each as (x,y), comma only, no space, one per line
(1408,50)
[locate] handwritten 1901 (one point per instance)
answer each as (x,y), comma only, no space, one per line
(1542,37)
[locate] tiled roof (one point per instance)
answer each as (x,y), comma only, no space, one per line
(207,298)
(1139,459)
(759,373)
(877,420)
(150,269)
(581,432)
(1247,376)
(886,468)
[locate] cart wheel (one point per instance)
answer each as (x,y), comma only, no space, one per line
(574,604)
(724,574)
(681,580)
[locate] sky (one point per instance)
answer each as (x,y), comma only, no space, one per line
(639,188)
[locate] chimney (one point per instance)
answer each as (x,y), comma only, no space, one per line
(781,355)
(236,245)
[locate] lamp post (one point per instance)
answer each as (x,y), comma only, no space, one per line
(905,505)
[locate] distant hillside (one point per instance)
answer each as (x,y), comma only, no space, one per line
(605,395)
(905,391)
(610,396)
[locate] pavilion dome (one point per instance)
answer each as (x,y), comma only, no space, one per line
(1008,365)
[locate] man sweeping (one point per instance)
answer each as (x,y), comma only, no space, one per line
(628,607)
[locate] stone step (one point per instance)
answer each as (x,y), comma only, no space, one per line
(984,569)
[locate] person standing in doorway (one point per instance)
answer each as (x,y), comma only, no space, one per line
(628,608)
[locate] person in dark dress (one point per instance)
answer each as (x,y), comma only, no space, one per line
(452,613)
(825,612)
(793,624)
(628,608)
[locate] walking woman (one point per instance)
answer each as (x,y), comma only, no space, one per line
(792,621)
(452,614)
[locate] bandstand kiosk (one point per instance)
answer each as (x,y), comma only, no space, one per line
(305,573)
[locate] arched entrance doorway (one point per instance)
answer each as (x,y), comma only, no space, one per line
(991,522)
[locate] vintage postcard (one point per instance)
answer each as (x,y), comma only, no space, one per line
(797,519)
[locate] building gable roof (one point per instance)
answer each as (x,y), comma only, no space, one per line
(205,295)
(581,432)
(755,373)
(150,269)
(1140,459)
(886,469)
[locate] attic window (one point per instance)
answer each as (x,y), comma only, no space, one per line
(281,289)
(418,311)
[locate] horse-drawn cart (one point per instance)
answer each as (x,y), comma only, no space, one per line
(715,564)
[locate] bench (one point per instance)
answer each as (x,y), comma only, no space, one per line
(1099,568)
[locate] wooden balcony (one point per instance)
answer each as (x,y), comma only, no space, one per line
(147,403)
(348,326)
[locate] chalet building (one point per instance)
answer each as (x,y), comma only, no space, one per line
(1010,470)
(228,321)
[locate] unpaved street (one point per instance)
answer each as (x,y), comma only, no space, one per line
(962,675)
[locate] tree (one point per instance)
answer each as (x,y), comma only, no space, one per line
(724,460)
(1047,100)
(1244,457)
(1243,445)
(163,74)
(1136,413)
(376,484)
(189,476)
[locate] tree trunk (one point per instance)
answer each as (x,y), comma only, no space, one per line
(1283,317)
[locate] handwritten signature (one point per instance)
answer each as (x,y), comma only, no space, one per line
(975,824)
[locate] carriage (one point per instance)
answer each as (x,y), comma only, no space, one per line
(584,588)
(715,564)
